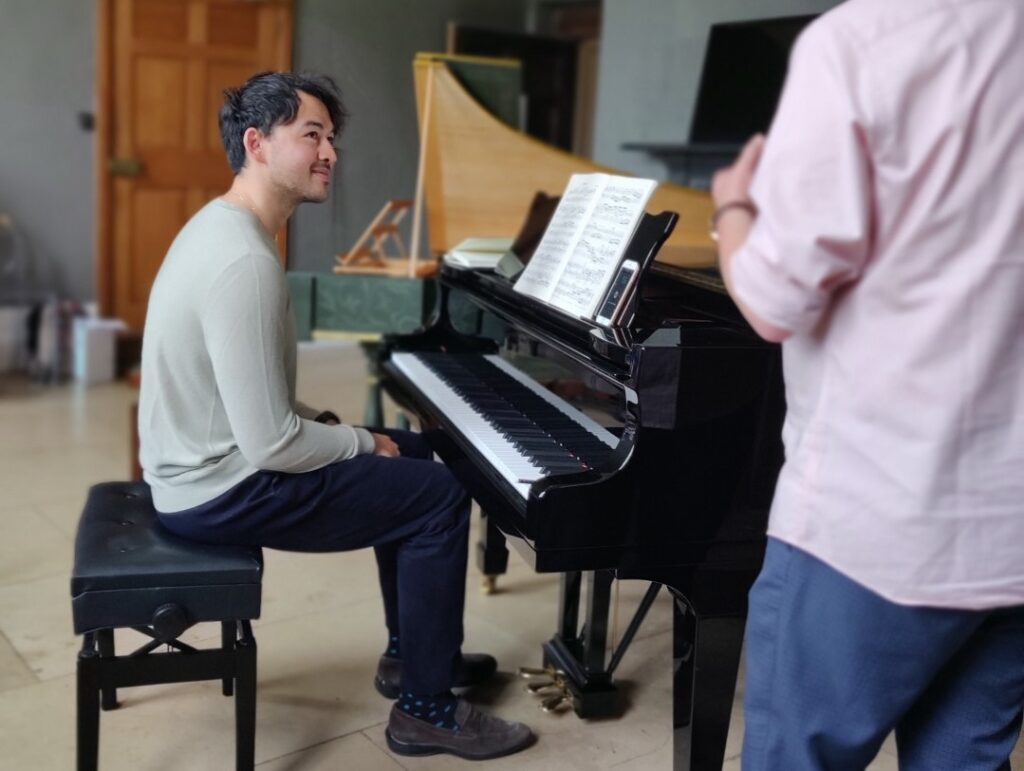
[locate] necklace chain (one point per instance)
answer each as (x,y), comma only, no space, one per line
(247,202)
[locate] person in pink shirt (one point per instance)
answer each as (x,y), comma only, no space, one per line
(878,234)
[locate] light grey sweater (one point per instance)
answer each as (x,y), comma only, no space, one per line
(218,368)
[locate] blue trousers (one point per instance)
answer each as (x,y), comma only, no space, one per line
(410,509)
(832,668)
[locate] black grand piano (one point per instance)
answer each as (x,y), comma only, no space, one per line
(647,451)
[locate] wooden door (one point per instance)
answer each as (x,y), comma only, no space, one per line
(163,67)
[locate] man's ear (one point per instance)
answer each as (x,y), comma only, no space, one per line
(253,140)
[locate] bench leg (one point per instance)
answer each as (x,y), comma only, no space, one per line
(245,700)
(228,635)
(105,643)
(88,724)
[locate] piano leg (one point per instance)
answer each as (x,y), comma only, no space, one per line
(491,553)
(569,609)
(595,633)
(373,416)
(706,657)
(580,657)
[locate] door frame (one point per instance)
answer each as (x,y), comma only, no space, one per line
(104,128)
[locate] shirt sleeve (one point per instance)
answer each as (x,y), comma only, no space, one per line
(813,188)
(244,330)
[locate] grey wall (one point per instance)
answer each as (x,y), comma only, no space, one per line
(46,160)
(368,47)
(651,57)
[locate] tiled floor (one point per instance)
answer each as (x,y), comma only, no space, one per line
(319,636)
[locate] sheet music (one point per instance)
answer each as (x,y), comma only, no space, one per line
(545,267)
(601,245)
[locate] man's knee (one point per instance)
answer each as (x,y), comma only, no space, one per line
(451,507)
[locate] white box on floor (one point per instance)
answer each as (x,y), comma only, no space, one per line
(95,349)
(13,337)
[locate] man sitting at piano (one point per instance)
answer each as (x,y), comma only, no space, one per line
(232,457)
(882,240)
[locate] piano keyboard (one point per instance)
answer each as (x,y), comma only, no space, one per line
(523,430)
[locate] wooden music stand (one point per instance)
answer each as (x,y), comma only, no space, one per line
(370,253)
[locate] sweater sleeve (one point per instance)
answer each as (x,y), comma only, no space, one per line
(243,324)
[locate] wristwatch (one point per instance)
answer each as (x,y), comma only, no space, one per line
(746,206)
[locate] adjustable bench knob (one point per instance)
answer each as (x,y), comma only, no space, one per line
(169,621)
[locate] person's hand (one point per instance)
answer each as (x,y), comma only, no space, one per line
(384,446)
(328,418)
(732,183)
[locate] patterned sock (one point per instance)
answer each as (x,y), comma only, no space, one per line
(437,709)
(393,650)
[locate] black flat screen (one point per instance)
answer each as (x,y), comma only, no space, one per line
(744,68)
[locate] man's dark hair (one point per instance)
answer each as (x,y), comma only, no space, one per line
(271,99)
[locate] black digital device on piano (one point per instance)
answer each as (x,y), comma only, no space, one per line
(647,450)
(620,294)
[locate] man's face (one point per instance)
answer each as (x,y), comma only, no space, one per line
(301,154)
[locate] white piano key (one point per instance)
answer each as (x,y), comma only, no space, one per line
(499,452)
(516,469)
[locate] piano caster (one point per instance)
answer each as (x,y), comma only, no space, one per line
(488,585)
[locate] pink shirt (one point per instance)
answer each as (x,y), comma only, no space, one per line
(891,243)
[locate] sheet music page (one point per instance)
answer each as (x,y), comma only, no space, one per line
(545,267)
(601,244)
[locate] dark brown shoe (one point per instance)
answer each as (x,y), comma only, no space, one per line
(473,669)
(479,736)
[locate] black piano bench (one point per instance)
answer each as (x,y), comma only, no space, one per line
(131,572)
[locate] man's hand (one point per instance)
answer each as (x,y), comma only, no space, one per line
(384,446)
(733,183)
(734,223)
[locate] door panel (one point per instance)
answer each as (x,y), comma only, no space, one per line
(157,216)
(218,77)
(159,95)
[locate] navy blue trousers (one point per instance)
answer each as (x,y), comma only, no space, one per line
(410,509)
(832,668)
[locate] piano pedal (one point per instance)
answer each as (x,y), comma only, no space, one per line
(539,688)
(549,673)
(557,703)
(488,585)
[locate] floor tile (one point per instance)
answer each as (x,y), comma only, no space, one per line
(298,584)
(37,729)
(63,512)
(354,751)
(31,546)
(14,672)
(35,617)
